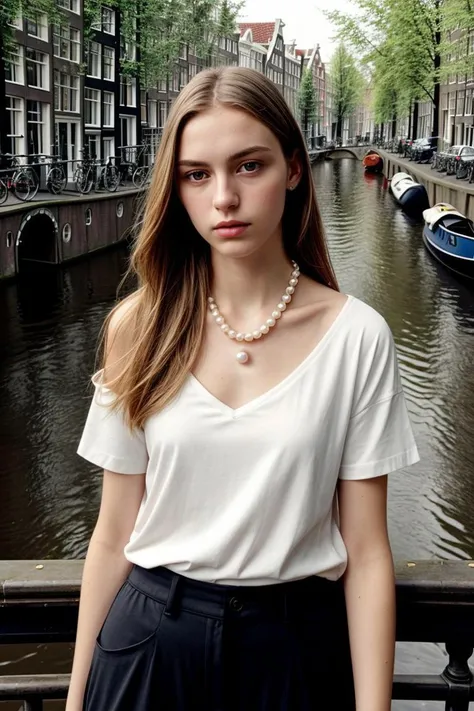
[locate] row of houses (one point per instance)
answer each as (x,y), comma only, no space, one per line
(62,97)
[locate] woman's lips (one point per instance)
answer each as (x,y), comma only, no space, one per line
(232,231)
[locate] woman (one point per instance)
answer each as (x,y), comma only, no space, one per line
(256,411)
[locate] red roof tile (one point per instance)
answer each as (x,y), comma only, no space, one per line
(262,32)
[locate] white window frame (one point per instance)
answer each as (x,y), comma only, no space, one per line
(106,50)
(71,5)
(110,141)
(41,21)
(96,136)
(162,113)
(71,85)
(152,109)
(43,122)
(44,72)
(17,22)
(108,23)
(19,66)
(110,108)
(128,87)
(71,36)
(97,63)
(94,103)
(17,112)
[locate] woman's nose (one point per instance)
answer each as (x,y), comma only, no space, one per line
(225,195)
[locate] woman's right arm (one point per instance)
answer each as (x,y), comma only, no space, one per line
(105,567)
(105,570)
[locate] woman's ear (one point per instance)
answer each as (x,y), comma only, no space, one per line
(295,170)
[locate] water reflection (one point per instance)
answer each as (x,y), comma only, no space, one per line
(50,496)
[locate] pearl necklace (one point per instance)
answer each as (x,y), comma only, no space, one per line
(243,356)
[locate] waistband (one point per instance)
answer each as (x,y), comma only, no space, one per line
(178,592)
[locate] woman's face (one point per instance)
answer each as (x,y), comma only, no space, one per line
(231,168)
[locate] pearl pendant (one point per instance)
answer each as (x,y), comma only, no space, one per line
(242,357)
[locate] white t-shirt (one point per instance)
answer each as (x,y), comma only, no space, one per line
(248,496)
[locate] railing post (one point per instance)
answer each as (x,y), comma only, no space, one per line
(458,676)
(35,704)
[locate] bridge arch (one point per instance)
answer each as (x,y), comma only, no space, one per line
(36,241)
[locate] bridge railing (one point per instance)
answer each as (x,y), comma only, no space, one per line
(435,603)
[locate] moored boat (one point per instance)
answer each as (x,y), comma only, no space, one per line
(412,196)
(449,236)
(372,162)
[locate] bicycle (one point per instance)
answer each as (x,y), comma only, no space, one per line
(141,175)
(56,178)
(22,180)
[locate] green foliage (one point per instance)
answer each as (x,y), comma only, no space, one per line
(410,46)
(11,9)
(307,99)
(346,82)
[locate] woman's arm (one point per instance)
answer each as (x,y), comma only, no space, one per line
(105,570)
(369,585)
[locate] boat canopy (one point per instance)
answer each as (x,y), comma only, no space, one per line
(436,213)
(398,177)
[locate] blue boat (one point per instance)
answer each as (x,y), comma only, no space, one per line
(411,196)
(449,236)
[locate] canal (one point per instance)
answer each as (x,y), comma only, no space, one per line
(50,497)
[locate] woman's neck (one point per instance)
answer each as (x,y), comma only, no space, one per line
(245,287)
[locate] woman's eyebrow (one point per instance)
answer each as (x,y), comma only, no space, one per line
(240,154)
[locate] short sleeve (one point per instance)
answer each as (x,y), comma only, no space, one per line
(107,441)
(379,437)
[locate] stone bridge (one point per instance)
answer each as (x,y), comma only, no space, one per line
(357,152)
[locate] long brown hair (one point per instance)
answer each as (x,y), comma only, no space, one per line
(172,261)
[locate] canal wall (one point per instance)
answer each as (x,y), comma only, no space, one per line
(55,231)
(457,193)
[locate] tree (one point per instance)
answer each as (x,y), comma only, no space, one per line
(410,41)
(307,100)
(346,81)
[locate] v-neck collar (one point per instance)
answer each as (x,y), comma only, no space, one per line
(235,413)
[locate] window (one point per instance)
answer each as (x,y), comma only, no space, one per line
(16,22)
(36,69)
(72,5)
(109,148)
(15,121)
(192,70)
(162,85)
(93,60)
(183,51)
(66,42)
(88,216)
(152,113)
(36,127)
(108,58)
(127,91)
(108,20)
(460,103)
(14,65)
(92,143)
(143,106)
(163,113)
(37,26)
(92,107)
(67,232)
(175,84)
(108,117)
(183,76)
(66,92)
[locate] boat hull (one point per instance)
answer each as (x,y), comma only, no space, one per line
(454,251)
(414,200)
(373,163)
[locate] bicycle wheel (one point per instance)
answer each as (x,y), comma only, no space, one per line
(84,180)
(111,178)
(470,173)
(433,162)
(461,170)
(25,185)
(56,181)
(139,177)
(3,192)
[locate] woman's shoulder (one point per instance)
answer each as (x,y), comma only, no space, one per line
(120,328)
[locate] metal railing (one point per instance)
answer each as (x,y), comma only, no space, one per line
(435,603)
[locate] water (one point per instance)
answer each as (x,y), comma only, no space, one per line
(50,497)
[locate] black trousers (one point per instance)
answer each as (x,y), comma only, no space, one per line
(170,643)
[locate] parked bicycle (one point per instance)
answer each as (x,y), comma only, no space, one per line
(91,172)
(56,178)
(17,178)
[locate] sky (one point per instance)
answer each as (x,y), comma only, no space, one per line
(304,20)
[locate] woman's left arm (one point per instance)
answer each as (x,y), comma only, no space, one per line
(369,585)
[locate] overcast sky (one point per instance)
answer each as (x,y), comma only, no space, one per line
(304,20)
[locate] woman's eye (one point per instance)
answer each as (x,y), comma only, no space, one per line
(196,176)
(251,166)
